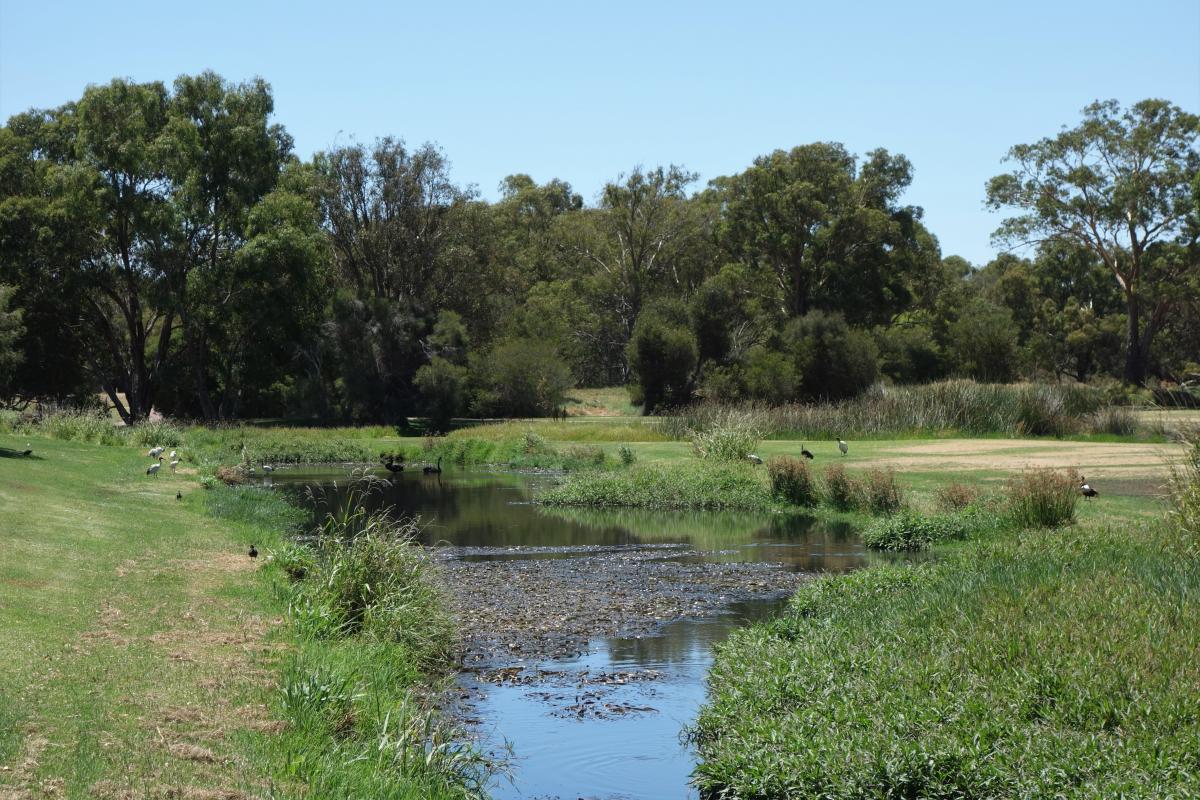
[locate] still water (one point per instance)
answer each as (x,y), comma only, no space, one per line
(637,753)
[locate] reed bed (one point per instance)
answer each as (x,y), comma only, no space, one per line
(959,406)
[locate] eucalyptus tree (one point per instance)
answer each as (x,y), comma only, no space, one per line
(11,331)
(638,241)
(1118,185)
(826,232)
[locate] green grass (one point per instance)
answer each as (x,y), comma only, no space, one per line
(1039,664)
(142,653)
(696,484)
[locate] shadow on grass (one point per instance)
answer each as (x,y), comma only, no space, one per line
(6,453)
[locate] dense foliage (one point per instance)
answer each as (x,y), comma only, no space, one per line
(168,249)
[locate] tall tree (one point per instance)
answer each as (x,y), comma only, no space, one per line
(826,232)
(1118,185)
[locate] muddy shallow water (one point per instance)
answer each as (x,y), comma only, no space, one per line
(588,634)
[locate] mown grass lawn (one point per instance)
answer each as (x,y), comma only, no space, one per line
(133,642)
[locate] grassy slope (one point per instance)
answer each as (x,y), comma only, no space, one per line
(132,637)
(1044,663)
(139,651)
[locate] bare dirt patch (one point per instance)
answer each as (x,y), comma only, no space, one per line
(1135,460)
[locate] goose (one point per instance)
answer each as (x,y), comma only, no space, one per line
(843,447)
(434,470)
(253,551)
(805,452)
(154,468)
(1084,489)
(755,459)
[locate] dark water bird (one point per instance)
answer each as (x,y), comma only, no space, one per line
(755,459)
(1084,489)
(804,452)
(395,467)
(434,470)
(154,468)
(179,495)
(843,447)
(27,453)
(253,552)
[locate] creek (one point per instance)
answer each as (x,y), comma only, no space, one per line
(589,634)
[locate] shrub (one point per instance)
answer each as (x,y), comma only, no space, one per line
(881,493)
(230,476)
(442,385)
(520,378)
(317,700)
(955,497)
(91,427)
(842,491)
(834,361)
(627,456)
(791,481)
(153,433)
(1043,498)
(910,530)
(586,455)
(731,436)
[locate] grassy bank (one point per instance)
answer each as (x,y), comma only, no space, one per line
(144,654)
(1036,663)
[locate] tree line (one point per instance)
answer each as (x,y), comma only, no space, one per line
(166,247)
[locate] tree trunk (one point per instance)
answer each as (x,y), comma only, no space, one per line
(1135,352)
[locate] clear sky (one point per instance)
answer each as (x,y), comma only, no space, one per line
(585,91)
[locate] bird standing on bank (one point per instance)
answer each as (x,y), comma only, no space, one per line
(174,462)
(179,495)
(154,468)
(267,468)
(253,551)
(1087,491)
(155,452)
(804,452)
(845,448)
(754,458)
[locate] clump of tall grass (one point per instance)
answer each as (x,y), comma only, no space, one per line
(91,427)
(954,497)
(880,492)
(730,435)
(1042,498)
(1185,492)
(791,481)
(1113,420)
(843,492)
(369,578)
(154,433)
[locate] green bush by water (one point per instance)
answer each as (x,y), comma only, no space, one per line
(694,484)
(912,530)
(792,482)
(1043,498)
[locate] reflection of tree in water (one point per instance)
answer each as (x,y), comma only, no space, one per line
(690,641)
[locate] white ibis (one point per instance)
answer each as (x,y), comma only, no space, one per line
(843,447)
(428,470)
(174,454)
(253,551)
(155,452)
(804,452)
(154,468)
(754,459)
(174,462)
(267,468)
(1087,491)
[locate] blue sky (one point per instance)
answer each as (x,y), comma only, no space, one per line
(584,92)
